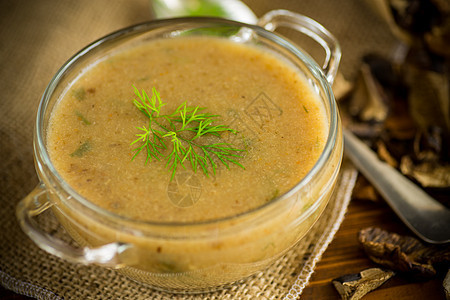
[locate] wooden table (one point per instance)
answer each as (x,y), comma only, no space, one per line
(344,256)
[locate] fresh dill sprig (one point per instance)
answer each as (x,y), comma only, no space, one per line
(183,131)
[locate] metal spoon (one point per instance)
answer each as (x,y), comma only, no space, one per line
(426,217)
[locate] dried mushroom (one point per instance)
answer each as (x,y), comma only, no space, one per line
(363,190)
(385,155)
(368,103)
(403,253)
(379,100)
(428,99)
(414,16)
(401,105)
(355,286)
(416,21)
(341,87)
(430,152)
(446,285)
(429,174)
(403,112)
(438,38)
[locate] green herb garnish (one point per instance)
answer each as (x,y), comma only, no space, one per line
(79,93)
(306,110)
(184,130)
(82,118)
(85,147)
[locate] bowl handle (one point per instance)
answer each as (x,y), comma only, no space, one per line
(284,18)
(36,203)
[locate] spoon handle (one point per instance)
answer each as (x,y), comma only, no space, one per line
(425,216)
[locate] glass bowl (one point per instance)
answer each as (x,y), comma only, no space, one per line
(197,256)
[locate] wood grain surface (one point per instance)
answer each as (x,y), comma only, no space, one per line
(344,256)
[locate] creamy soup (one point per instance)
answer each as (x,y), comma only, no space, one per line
(280,124)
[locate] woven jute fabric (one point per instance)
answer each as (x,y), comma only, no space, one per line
(36,38)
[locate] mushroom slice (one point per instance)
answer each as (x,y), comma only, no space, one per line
(355,286)
(403,253)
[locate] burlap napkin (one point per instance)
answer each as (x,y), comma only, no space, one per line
(36,37)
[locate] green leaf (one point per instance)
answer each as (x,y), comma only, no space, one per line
(173,128)
(81,151)
(79,93)
(82,118)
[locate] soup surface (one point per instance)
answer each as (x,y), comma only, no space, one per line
(280,123)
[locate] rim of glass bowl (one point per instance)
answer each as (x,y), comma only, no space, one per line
(41,150)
